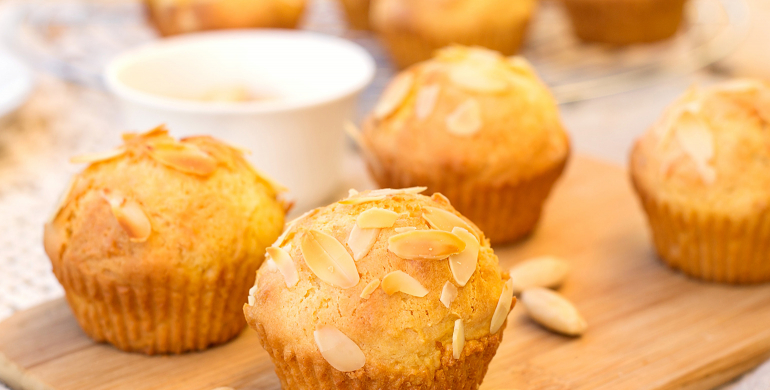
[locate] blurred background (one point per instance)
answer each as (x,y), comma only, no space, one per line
(54,103)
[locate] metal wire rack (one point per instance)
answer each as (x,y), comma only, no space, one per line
(74,39)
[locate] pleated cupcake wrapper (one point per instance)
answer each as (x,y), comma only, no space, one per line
(710,247)
(504,213)
(407,49)
(624,22)
(314,373)
(357,14)
(152,317)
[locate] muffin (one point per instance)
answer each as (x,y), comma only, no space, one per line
(477,127)
(171,17)
(412,30)
(156,242)
(357,13)
(386,289)
(623,22)
(702,174)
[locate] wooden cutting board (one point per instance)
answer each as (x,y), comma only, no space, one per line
(649,327)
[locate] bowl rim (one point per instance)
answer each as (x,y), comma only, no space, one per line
(135,55)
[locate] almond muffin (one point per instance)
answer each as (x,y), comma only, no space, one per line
(702,174)
(386,289)
(623,22)
(156,242)
(171,17)
(412,30)
(478,127)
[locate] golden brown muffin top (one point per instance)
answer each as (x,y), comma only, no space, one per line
(440,18)
(468,111)
(194,15)
(345,268)
(711,148)
(156,204)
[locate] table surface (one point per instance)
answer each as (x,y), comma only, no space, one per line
(61,120)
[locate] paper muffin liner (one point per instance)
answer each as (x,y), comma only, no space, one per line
(357,13)
(312,372)
(625,22)
(408,48)
(156,315)
(708,246)
(504,212)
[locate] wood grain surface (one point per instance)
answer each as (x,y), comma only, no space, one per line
(650,328)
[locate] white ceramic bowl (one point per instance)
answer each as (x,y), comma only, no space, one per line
(296,136)
(15,84)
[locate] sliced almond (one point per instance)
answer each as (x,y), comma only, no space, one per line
(376,218)
(426,101)
(400,281)
(739,86)
(360,200)
(553,311)
(696,140)
(338,350)
(465,120)
(463,264)
(369,289)
(129,215)
(328,259)
(361,241)
(352,192)
(474,78)
(91,158)
(519,63)
(285,265)
(252,301)
(445,220)
(253,290)
(397,191)
(185,158)
(394,95)
(503,307)
(404,229)
(545,271)
(458,339)
(425,244)
(448,294)
(287,230)
(440,198)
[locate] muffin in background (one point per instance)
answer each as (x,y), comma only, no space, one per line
(478,127)
(412,30)
(386,289)
(357,13)
(171,17)
(623,22)
(702,174)
(156,242)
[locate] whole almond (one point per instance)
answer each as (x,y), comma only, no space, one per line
(546,271)
(553,311)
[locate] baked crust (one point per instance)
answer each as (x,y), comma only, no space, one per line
(413,30)
(498,176)
(702,174)
(406,340)
(171,17)
(182,286)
